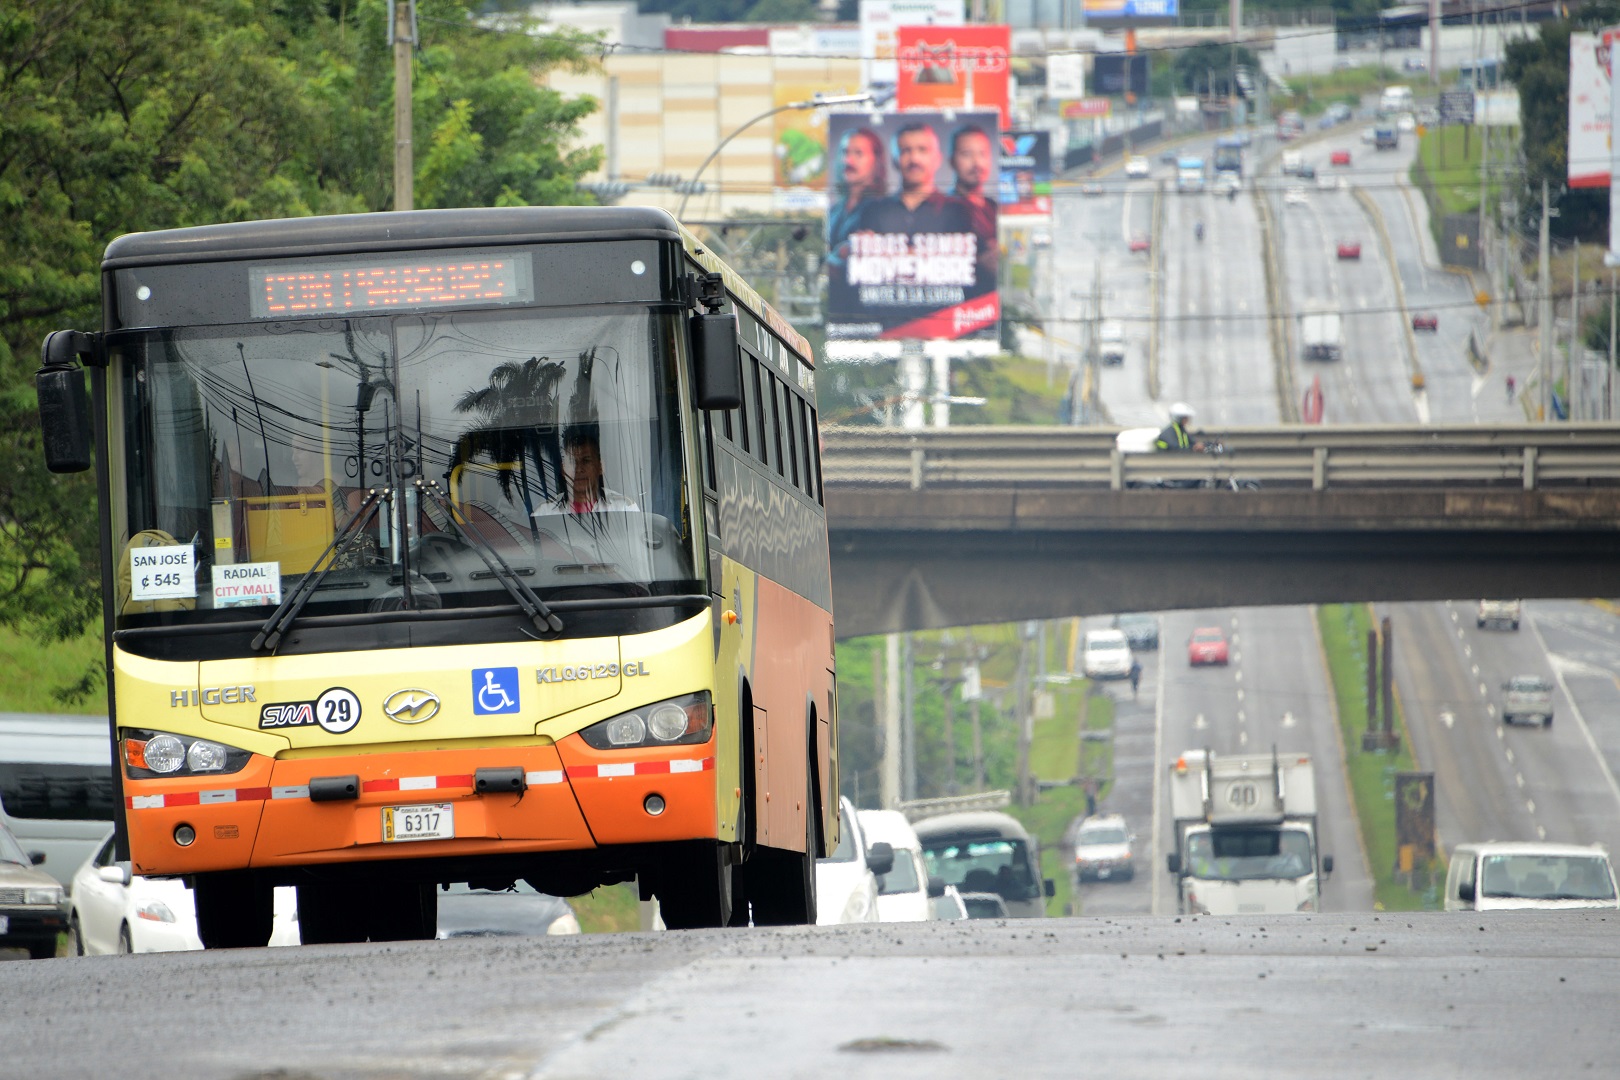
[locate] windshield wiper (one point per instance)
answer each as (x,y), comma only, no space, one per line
(543,617)
(269,635)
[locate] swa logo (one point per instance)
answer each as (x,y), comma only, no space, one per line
(294,714)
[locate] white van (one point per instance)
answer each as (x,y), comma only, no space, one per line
(1111,342)
(1502,875)
(56,786)
(1395,99)
(1106,655)
(903,891)
(846,880)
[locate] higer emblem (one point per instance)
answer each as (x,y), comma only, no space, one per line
(411,706)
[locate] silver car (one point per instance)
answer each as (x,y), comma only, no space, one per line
(32,910)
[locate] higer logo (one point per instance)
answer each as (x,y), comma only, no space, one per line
(411,706)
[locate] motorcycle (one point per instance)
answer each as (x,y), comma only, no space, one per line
(1198,231)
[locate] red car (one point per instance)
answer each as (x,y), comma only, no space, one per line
(1340,157)
(1139,244)
(1349,249)
(1207,646)
(1425,320)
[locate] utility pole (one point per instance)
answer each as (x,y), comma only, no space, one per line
(889,786)
(1434,42)
(908,734)
(402,34)
(1545,310)
(1608,372)
(1570,367)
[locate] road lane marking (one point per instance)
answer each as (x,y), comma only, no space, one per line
(1519,778)
(1468,650)
(1240,693)
(1288,719)
(1499,734)
(1490,710)
(1237,658)
(1448,719)
(1200,723)
(1243,738)
(1475,670)
(1242,719)
(1530,805)
(1575,710)
(1509,753)
(1541,832)
(1482,690)
(1238,675)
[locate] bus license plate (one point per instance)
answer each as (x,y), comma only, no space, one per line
(436,822)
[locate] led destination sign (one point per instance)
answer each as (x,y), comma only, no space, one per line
(338,288)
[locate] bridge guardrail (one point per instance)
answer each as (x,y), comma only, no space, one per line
(1530,456)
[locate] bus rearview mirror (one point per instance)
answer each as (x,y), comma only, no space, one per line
(64,419)
(716,362)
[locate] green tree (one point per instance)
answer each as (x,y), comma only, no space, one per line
(129,115)
(1208,68)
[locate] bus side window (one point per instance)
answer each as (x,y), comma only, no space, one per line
(812,452)
(725,425)
(761,415)
(794,433)
(709,482)
(742,410)
(776,424)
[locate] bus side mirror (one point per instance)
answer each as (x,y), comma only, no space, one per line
(716,360)
(880,858)
(1172,862)
(64,403)
(1327,865)
(1465,891)
(936,885)
(1050,887)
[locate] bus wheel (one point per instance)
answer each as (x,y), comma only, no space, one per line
(233,910)
(782,884)
(694,888)
(328,914)
(404,913)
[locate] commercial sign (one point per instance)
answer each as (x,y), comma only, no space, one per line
(1589,105)
(911,227)
(1130,11)
(799,147)
(1026,174)
(1086,108)
(1065,76)
(1119,73)
(962,67)
(1457,107)
(881,21)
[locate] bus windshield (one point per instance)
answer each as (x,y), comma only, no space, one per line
(553,439)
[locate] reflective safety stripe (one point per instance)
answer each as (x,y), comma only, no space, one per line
(413,783)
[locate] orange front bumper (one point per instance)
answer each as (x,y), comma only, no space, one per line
(576,799)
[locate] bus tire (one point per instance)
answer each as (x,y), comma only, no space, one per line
(327,915)
(695,887)
(782,884)
(233,910)
(403,912)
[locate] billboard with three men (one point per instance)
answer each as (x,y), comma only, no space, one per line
(911,226)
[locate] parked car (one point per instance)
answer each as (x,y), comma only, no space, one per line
(1339,157)
(987,852)
(1141,631)
(111,910)
(846,880)
(985,905)
(56,793)
(32,908)
(1102,849)
(903,888)
(1105,654)
(1138,167)
(520,911)
(1545,877)
(1527,697)
(1425,320)
(1349,249)
(1207,646)
(1497,612)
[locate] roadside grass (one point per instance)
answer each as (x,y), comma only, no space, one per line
(45,669)
(1017,390)
(608,909)
(1314,93)
(1372,775)
(1055,808)
(1453,174)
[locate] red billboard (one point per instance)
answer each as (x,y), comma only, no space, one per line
(955,67)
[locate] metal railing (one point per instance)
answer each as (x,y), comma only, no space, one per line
(1528,456)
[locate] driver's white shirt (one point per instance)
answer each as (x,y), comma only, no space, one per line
(609,500)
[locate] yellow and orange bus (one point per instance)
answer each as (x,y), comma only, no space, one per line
(456,546)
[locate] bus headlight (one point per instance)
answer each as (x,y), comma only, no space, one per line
(151,754)
(675,722)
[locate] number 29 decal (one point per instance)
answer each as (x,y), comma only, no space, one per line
(336,711)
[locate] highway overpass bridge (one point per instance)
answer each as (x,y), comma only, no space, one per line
(952,527)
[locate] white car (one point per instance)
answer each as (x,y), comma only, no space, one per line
(1502,875)
(1138,167)
(1369,135)
(846,880)
(1406,123)
(1102,849)
(903,890)
(113,911)
(1106,655)
(1295,196)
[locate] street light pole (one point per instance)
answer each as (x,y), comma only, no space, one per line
(820,101)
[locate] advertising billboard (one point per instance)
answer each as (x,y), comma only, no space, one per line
(911,227)
(1117,73)
(1130,12)
(1065,76)
(1589,105)
(960,67)
(881,20)
(799,147)
(1026,174)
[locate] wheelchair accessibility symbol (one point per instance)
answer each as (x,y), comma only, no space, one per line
(495,690)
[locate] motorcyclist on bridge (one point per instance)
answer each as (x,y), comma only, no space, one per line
(1176,437)
(1198,231)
